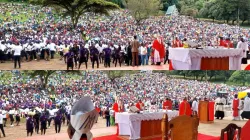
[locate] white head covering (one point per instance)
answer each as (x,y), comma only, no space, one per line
(83,117)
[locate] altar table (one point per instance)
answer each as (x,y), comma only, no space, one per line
(206,59)
(142,125)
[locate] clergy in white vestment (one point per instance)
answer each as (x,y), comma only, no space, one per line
(244,46)
(246,109)
(219,107)
(195,105)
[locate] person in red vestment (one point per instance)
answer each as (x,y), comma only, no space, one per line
(159,50)
(176,43)
(228,43)
(236,103)
(140,105)
(222,42)
(185,108)
(116,109)
(167,104)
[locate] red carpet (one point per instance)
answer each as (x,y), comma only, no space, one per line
(200,137)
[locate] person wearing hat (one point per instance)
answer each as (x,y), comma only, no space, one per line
(1,122)
(83,117)
(30,125)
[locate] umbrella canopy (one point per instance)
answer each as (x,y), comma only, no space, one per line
(243,94)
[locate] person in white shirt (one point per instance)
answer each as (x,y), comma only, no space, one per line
(17,55)
(4,117)
(143,54)
(52,47)
(244,46)
(246,108)
(195,105)
(1,122)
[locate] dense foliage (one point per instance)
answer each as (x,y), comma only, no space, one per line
(225,10)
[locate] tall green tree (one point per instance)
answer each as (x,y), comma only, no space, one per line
(76,8)
(242,77)
(143,9)
(42,74)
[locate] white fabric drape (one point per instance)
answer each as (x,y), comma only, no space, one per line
(130,123)
(190,59)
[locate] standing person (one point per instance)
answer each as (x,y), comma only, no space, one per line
(1,122)
(140,105)
(118,56)
(107,117)
(17,117)
(244,46)
(159,51)
(235,108)
(84,54)
(76,52)
(135,46)
(176,43)
(58,122)
(11,114)
(219,107)
(94,54)
(36,118)
(4,113)
(43,121)
(17,55)
(70,59)
(107,57)
(195,106)
(184,108)
(112,118)
(129,55)
(246,109)
(30,125)
(143,53)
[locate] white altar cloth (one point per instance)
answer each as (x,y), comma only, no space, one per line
(190,59)
(130,123)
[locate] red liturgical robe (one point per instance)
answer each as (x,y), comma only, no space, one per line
(235,107)
(185,109)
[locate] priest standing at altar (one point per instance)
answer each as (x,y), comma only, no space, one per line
(235,107)
(185,108)
(159,50)
(167,104)
(140,105)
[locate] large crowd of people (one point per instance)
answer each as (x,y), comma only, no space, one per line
(40,34)
(23,96)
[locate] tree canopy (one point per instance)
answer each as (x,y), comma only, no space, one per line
(142,9)
(76,8)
